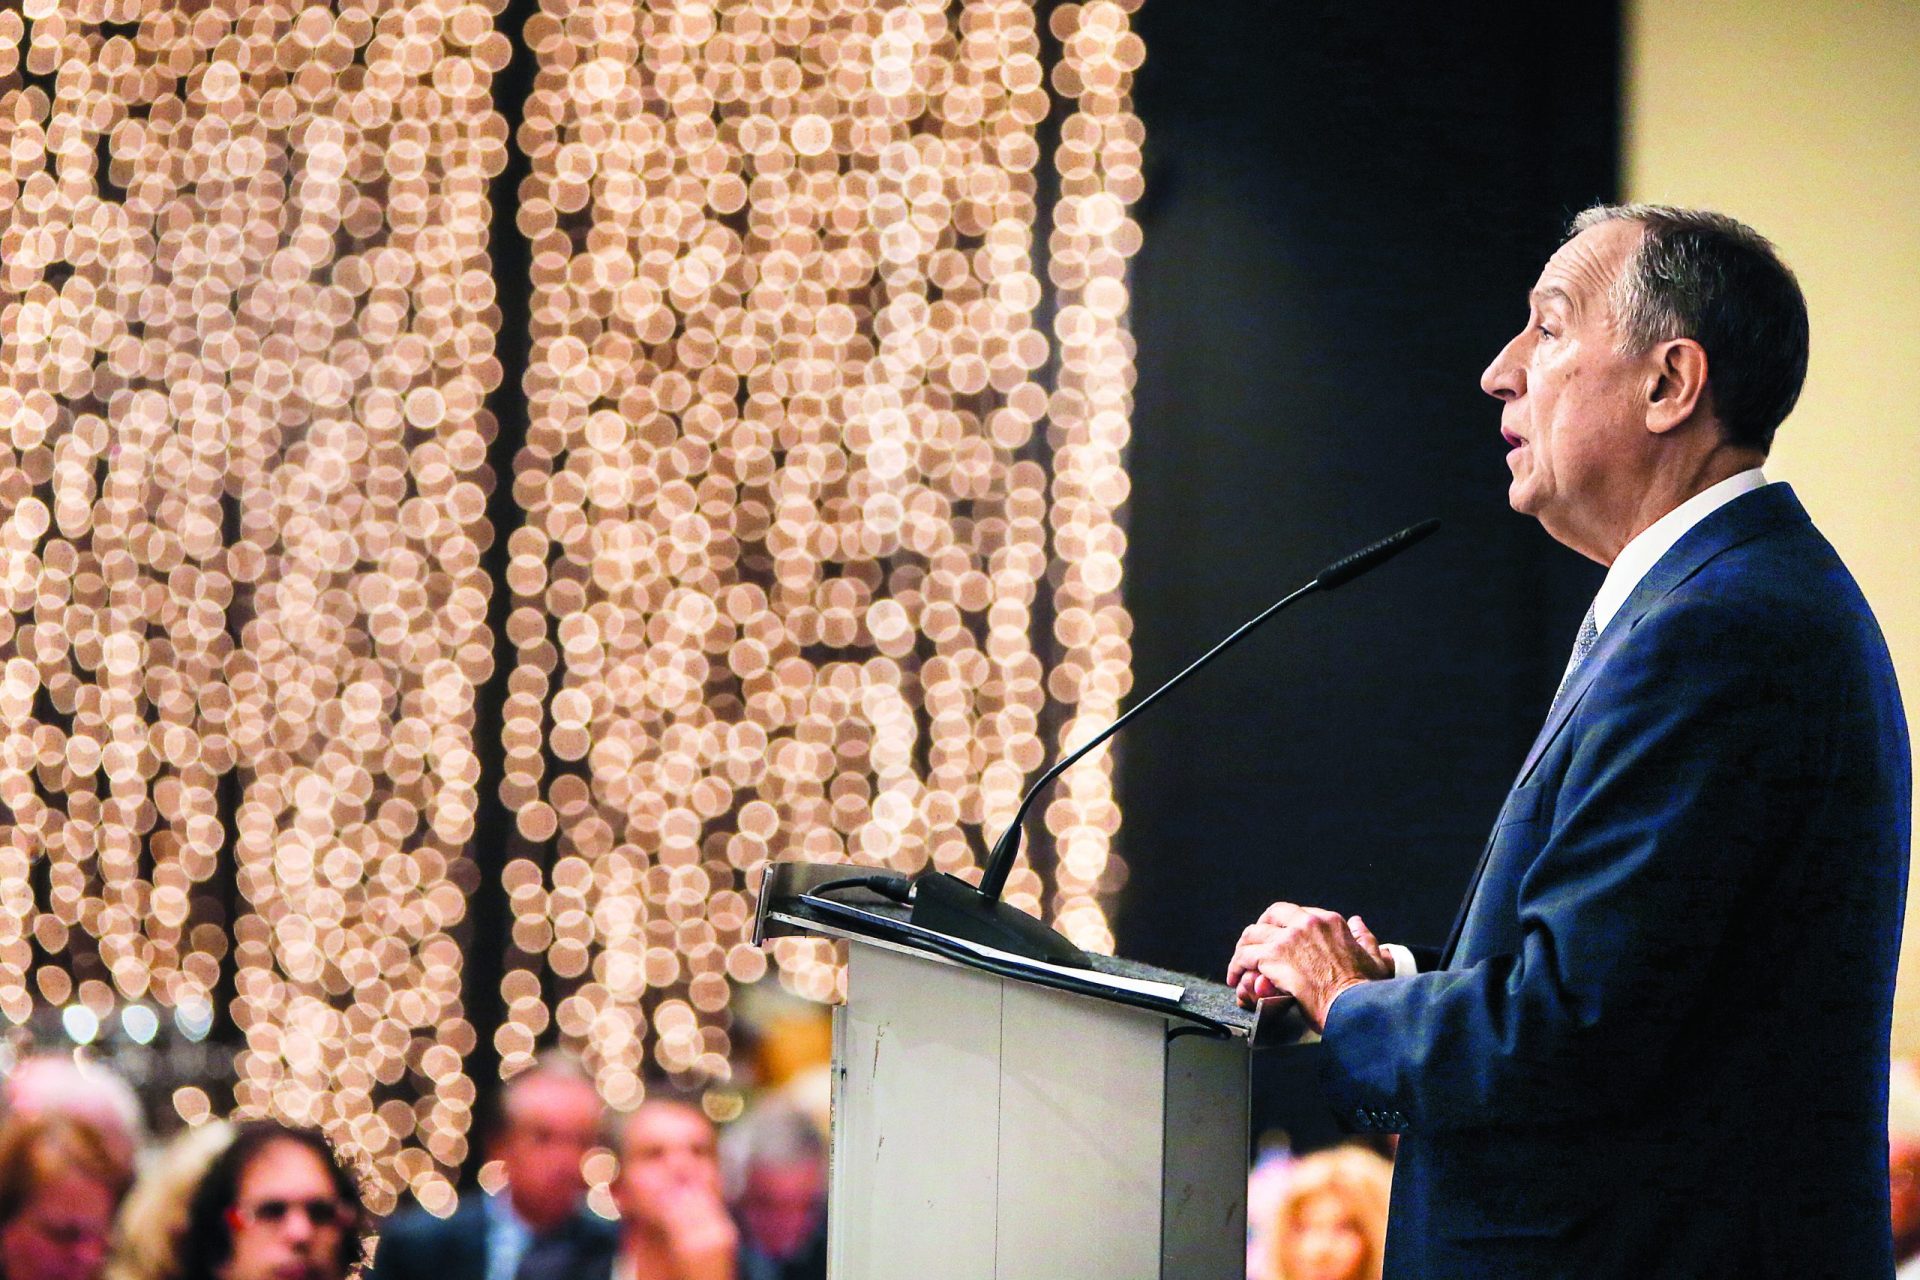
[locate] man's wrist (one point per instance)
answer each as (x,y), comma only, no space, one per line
(1345,986)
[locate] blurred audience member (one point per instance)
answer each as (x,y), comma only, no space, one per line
(1903,1164)
(60,1084)
(538,1226)
(60,1182)
(1332,1219)
(774,1166)
(277,1204)
(153,1218)
(1266,1184)
(673,1222)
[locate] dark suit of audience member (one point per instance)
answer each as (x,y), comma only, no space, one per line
(810,1263)
(538,1227)
(475,1243)
(1657,1045)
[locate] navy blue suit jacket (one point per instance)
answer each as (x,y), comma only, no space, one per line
(415,1245)
(1657,1044)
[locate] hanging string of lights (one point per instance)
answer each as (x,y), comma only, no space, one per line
(787,522)
(247,339)
(813,563)
(1099,166)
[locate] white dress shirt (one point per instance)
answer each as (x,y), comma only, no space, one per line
(1654,541)
(1628,568)
(508,1236)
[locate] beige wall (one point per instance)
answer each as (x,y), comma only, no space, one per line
(1802,117)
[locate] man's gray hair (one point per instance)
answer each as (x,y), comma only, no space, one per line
(1702,275)
(774,1131)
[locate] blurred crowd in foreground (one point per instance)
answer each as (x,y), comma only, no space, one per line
(84,1197)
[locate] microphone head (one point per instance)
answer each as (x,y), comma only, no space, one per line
(1347,568)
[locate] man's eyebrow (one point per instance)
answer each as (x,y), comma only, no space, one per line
(1555,293)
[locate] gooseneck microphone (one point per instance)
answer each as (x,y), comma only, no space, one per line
(949,905)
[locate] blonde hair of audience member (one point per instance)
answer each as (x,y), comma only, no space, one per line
(673,1223)
(1903,1156)
(146,1237)
(61,1181)
(1332,1219)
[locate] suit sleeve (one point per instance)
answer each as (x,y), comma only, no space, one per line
(1631,904)
(388,1262)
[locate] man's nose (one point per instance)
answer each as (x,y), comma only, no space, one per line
(1505,378)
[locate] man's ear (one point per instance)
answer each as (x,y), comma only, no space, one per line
(1678,389)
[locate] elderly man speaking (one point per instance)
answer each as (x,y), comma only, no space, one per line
(1656,1042)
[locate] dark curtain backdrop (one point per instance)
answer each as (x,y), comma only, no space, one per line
(1346,205)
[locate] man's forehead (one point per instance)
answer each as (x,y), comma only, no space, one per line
(657,1124)
(1585,267)
(548,1097)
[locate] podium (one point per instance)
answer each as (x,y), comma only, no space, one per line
(996,1118)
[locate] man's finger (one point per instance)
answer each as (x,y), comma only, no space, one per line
(1364,936)
(1280,913)
(1258,931)
(1246,956)
(1253,987)
(1241,962)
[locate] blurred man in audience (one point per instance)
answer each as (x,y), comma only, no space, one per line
(537,1227)
(1903,1164)
(58,1084)
(673,1222)
(774,1169)
(277,1204)
(61,1181)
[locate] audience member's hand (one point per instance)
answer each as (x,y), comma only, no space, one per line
(1311,954)
(700,1233)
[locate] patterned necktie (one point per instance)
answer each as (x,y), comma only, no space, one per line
(1582,646)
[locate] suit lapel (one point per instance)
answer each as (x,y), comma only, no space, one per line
(468,1260)
(1743,519)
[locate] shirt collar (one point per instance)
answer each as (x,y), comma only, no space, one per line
(499,1205)
(1654,541)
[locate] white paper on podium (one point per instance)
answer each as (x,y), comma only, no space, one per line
(891,928)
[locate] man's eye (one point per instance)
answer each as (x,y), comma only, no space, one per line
(1543,331)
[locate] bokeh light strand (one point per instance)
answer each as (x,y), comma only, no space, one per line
(790,501)
(820,553)
(248,328)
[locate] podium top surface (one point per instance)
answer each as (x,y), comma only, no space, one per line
(788,907)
